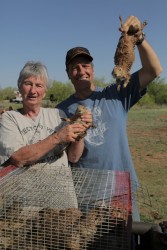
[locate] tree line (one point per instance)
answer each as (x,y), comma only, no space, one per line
(156,94)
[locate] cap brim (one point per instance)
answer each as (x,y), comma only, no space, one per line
(80,54)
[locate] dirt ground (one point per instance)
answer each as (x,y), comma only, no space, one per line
(147,132)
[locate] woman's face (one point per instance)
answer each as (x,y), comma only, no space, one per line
(33,90)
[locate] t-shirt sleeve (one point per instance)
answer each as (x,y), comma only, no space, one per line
(10,137)
(132,94)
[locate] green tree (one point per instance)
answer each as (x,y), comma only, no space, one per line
(59,91)
(156,93)
(158,90)
(7,93)
(101,82)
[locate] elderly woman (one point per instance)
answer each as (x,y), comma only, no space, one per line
(34,134)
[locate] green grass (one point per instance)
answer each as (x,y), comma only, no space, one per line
(147,133)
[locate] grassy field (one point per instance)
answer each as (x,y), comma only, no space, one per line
(147,133)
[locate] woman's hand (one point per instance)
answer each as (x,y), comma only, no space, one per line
(69,133)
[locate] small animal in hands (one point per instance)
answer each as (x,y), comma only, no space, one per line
(76,118)
(125,55)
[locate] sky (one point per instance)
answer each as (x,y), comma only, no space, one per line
(43,30)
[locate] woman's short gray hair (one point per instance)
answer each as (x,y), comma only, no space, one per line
(32,68)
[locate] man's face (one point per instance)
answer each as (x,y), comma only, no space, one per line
(80,72)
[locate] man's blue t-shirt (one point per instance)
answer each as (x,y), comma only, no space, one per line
(106,144)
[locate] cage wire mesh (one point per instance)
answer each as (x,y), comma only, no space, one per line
(45,208)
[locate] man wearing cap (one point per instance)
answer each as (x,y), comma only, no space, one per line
(106,144)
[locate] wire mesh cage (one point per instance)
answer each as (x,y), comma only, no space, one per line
(45,208)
